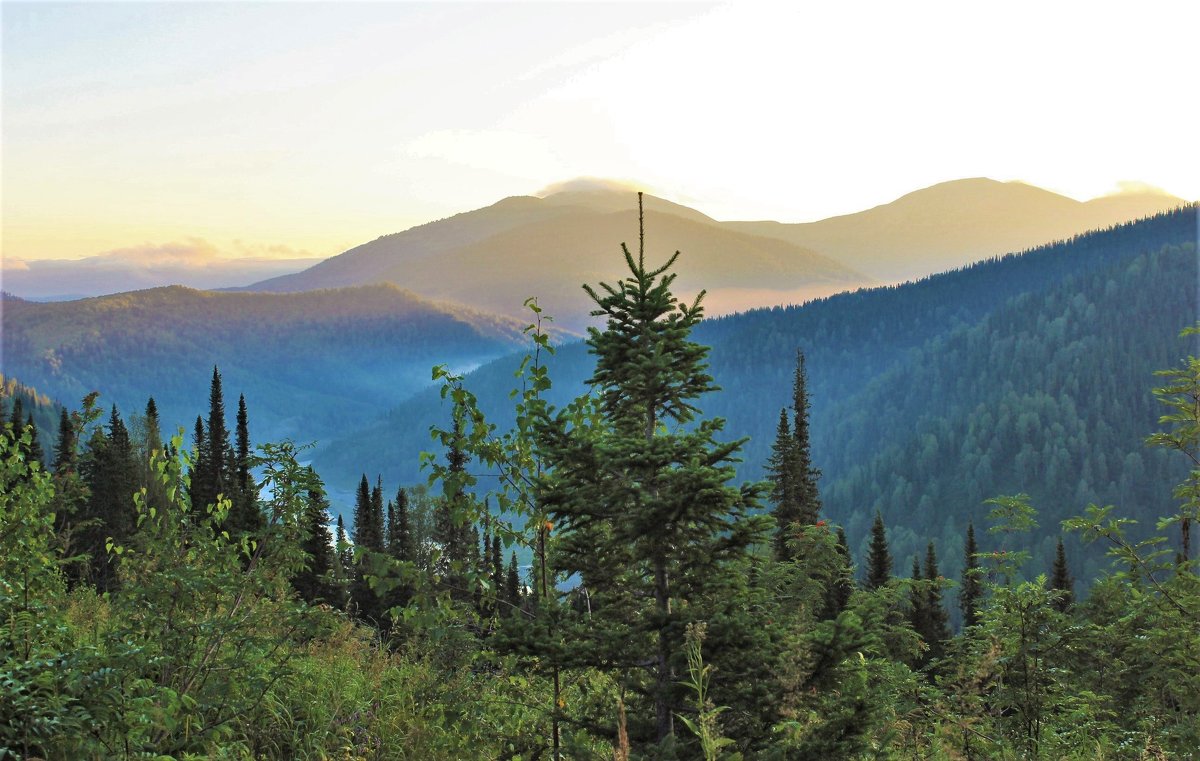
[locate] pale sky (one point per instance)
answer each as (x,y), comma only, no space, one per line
(301,129)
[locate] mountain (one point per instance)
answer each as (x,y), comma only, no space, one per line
(308,363)
(194,264)
(1031,372)
(494,258)
(955,223)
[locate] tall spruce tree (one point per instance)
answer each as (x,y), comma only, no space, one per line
(790,470)
(368,538)
(212,463)
(937,622)
(879,558)
(638,493)
(200,488)
(842,585)
(1061,581)
(110,473)
(512,586)
(65,450)
(780,473)
(245,515)
(971,588)
(315,583)
(808,498)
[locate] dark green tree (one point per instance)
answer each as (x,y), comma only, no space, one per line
(110,473)
(783,486)
(315,582)
(368,539)
(879,559)
(937,622)
(199,486)
(971,588)
(1060,580)
(512,586)
(244,513)
(65,450)
(638,492)
(808,498)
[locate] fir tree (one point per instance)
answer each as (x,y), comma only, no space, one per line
(368,538)
(343,557)
(497,567)
(109,471)
(512,586)
(918,612)
(35,452)
(153,428)
(971,587)
(783,486)
(937,624)
(1061,581)
(401,542)
(245,515)
(314,583)
(211,478)
(842,585)
(65,451)
(639,497)
(808,498)
(199,483)
(879,559)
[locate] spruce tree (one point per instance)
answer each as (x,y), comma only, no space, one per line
(638,495)
(1061,581)
(199,482)
(512,586)
(245,515)
(808,498)
(936,619)
(879,559)
(34,450)
(110,473)
(497,567)
(843,582)
(153,427)
(215,479)
(971,587)
(918,611)
(780,472)
(401,542)
(314,583)
(343,558)
(367,539)
(65,454)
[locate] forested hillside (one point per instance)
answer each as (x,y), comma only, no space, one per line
(163,600)
(308,363)
(1059,326)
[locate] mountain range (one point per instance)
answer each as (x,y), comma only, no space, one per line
(308,363)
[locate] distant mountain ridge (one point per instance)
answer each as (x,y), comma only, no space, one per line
(308,362)
(955,223)
(494,258)
(194,264)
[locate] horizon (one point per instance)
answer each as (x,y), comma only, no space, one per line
(302,130)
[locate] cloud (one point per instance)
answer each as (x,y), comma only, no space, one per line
(193,262)
(1135,187)
(589,185)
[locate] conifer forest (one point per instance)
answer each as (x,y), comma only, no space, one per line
(926,521)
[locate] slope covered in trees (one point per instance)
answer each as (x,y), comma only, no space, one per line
(918,353)
(307,362)
(659,621)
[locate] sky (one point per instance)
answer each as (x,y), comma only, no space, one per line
(297,129)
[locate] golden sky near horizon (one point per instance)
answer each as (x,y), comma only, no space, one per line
(300,129)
